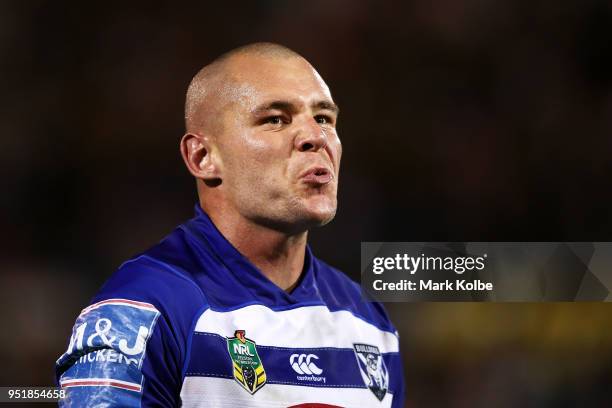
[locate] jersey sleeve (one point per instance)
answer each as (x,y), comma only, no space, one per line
(103,364)
(127,349)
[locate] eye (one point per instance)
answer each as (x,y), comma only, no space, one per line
(274,120)
(323,119)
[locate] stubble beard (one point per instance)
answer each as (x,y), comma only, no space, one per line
(289,215)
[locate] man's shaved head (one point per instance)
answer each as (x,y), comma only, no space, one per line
(215,84)
(261,139)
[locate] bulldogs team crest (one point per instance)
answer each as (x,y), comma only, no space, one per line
(373,369)
(248,368)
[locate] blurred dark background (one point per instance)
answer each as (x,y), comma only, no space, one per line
(462,120)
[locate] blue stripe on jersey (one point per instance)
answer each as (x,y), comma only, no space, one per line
(323,372)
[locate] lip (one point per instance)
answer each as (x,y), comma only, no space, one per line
(317,175)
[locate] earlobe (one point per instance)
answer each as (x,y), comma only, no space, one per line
(198,156)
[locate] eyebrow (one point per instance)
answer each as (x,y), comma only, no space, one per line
(328,106)
(289,106)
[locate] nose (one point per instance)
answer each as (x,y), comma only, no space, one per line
(311,137)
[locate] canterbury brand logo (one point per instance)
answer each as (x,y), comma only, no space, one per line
(303,364)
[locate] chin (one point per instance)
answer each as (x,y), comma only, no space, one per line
(300,215)
(320,219)
(321,213)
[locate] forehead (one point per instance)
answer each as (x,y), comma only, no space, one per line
(256,79)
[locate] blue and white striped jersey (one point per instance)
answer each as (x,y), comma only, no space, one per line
(192,323)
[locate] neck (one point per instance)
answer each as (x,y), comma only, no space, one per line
(278,255)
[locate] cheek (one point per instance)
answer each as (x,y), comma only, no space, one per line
(261,145)
(243,150)
(336,148)
(253,159)
(268,151)
(253,144)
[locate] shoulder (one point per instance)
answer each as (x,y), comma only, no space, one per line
(137,327)
(342,293)
(169,287)
(155,288)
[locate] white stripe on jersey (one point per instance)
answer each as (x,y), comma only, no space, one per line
(303,327)
(222,392)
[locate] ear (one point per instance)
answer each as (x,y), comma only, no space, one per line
(199,157)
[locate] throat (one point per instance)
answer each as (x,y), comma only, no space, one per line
(283,268)
(278,255)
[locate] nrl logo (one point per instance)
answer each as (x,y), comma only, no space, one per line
(248,368)
(373,369)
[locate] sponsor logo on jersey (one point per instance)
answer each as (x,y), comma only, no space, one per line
(248,368)
(108,342)
(120,326)
(373,369)
(304,364)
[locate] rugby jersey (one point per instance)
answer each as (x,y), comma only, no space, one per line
(191,322)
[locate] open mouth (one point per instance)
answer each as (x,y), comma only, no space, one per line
(317,175)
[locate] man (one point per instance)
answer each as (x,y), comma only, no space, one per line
(232,308)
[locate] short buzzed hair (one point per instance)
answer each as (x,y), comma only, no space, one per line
(204,81)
